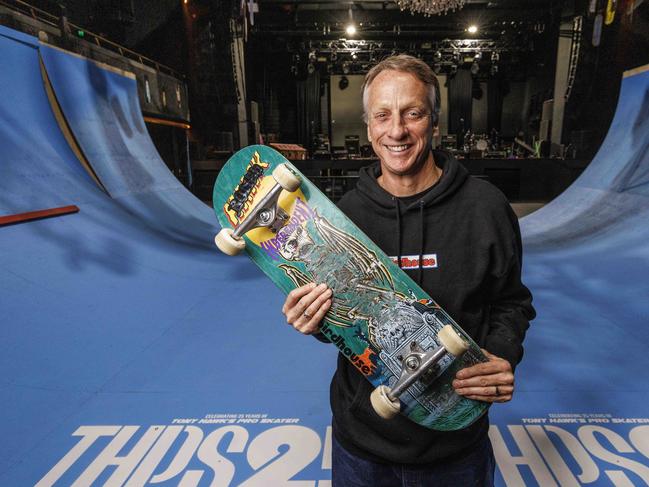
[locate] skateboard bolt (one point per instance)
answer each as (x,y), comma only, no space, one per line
(265,216)
(412,363)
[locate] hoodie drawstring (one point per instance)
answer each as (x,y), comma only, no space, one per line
(398,231)
(422,234)
(421,242)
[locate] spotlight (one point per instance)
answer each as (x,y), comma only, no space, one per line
(312,57)
(473,29)
(495,57)
(438,56)
(475,68)
(351,26)
(354,56)
(347,67)
(478,56)
(453,69)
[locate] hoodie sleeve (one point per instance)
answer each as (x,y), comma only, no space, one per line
(511,308)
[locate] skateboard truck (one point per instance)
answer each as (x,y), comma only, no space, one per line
(416,365)
(267,213)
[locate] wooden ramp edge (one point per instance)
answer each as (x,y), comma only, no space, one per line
(37,215)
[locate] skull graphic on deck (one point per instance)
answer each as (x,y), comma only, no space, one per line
(295,242)
(395,324)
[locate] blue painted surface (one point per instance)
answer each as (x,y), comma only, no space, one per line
(103,112)
(110,321)
(587,263)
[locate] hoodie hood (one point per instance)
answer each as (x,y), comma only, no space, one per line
(453,176)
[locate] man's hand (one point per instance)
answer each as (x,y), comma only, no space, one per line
(306,306)
(492,381)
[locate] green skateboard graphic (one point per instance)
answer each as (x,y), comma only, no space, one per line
(380,319)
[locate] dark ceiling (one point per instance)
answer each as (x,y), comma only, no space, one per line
(315,29)
(324,19)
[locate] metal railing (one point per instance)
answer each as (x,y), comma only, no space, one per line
(35,13)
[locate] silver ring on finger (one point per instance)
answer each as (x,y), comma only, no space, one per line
(307,315)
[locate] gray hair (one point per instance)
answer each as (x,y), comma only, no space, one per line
(406,64)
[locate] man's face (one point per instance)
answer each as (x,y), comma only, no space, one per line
(399,122)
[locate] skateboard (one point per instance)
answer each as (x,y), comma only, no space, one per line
(403,342)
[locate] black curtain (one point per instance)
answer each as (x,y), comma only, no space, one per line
(495,95)
(308,109)
(460,102)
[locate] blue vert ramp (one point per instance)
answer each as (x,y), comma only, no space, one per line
(102,109)
(614,188)
(581,413)
(126,353)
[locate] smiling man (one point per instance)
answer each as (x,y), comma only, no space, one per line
(459,239)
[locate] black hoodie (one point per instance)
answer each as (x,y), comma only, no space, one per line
(471,240)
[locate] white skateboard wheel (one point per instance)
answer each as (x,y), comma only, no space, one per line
(229,244)
(452,342)
(285,178)
(383,405)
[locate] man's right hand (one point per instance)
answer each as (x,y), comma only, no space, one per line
(306,306)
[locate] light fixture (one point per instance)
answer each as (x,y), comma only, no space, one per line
(351,26)
(473,29)
(495,57)
(430,7)
(475,67)
(347,67)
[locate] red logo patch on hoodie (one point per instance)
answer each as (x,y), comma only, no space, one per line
(429,261)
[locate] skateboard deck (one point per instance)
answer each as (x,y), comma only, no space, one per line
(378,316)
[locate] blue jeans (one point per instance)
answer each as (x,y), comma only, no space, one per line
(474,469)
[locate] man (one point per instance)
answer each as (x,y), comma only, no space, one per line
(421,202)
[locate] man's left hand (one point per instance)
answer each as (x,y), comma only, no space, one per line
(491,381)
